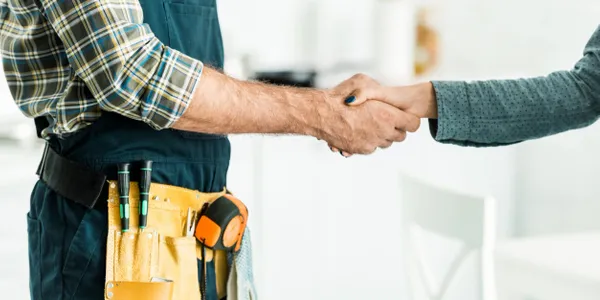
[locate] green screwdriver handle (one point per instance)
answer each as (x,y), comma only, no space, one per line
(145,179)
(123,175)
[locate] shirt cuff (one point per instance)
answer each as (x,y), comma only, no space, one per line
(454,112)
(172,89)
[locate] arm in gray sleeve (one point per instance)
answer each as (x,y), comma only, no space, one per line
(503,112)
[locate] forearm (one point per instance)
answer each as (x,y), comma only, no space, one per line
(224,105)
(494,113)
(502,112)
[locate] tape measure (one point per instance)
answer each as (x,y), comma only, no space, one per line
(222,224)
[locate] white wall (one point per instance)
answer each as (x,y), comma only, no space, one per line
(293,33)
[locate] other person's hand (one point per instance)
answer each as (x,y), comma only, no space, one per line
(418,99)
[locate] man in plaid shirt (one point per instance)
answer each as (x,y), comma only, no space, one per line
(119,81)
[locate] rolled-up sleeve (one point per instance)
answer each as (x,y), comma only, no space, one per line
(504,112)
(126,68)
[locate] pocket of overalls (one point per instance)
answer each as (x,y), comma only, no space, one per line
(35,272)
(82,269)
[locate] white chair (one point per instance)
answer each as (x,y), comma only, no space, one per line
(468,219)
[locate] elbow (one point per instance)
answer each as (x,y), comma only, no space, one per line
(134,100)
(151,83)
(124,86)
(589,89)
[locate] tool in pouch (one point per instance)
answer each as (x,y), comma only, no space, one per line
(220,226)
(123,176)
(144,189)
(222,223)
(145,179)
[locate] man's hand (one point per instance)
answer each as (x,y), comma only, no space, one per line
(361,129)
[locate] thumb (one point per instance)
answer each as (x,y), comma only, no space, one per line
(378,93)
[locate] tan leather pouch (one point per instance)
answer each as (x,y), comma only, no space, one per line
(160,260)
(127,290)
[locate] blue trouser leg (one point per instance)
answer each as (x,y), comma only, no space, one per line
(67,246)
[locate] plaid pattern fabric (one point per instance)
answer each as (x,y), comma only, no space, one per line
(73,59)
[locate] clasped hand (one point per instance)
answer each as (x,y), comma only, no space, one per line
(363,115)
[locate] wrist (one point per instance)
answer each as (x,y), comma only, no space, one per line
(421,99)
(304,110)
(314,113)
(430,99)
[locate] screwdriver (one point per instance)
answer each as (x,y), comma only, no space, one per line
(123,174)
(145,179)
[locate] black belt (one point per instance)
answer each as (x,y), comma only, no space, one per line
(72,180)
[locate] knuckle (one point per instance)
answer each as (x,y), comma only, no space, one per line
(370,149)
(360,77)
(385,116)
(409,123)
(415,124)
(401,136)
(389,134)
(364,149)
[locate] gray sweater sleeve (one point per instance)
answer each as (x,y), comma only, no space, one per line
(503,112)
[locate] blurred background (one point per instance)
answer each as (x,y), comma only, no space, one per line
(327,227)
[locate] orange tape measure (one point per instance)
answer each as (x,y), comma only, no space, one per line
(222,224)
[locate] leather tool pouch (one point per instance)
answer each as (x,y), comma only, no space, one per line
(161,262)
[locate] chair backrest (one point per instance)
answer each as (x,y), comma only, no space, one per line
(468,219)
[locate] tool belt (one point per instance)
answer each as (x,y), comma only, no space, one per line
(162,252)
(160,262)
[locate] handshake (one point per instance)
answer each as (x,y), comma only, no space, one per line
(360,115)
(355,117)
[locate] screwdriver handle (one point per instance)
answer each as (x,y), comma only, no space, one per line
(145,179)
(123,175)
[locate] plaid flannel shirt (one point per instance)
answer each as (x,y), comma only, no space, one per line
(73,59)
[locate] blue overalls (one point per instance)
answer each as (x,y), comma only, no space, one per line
(67,241)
